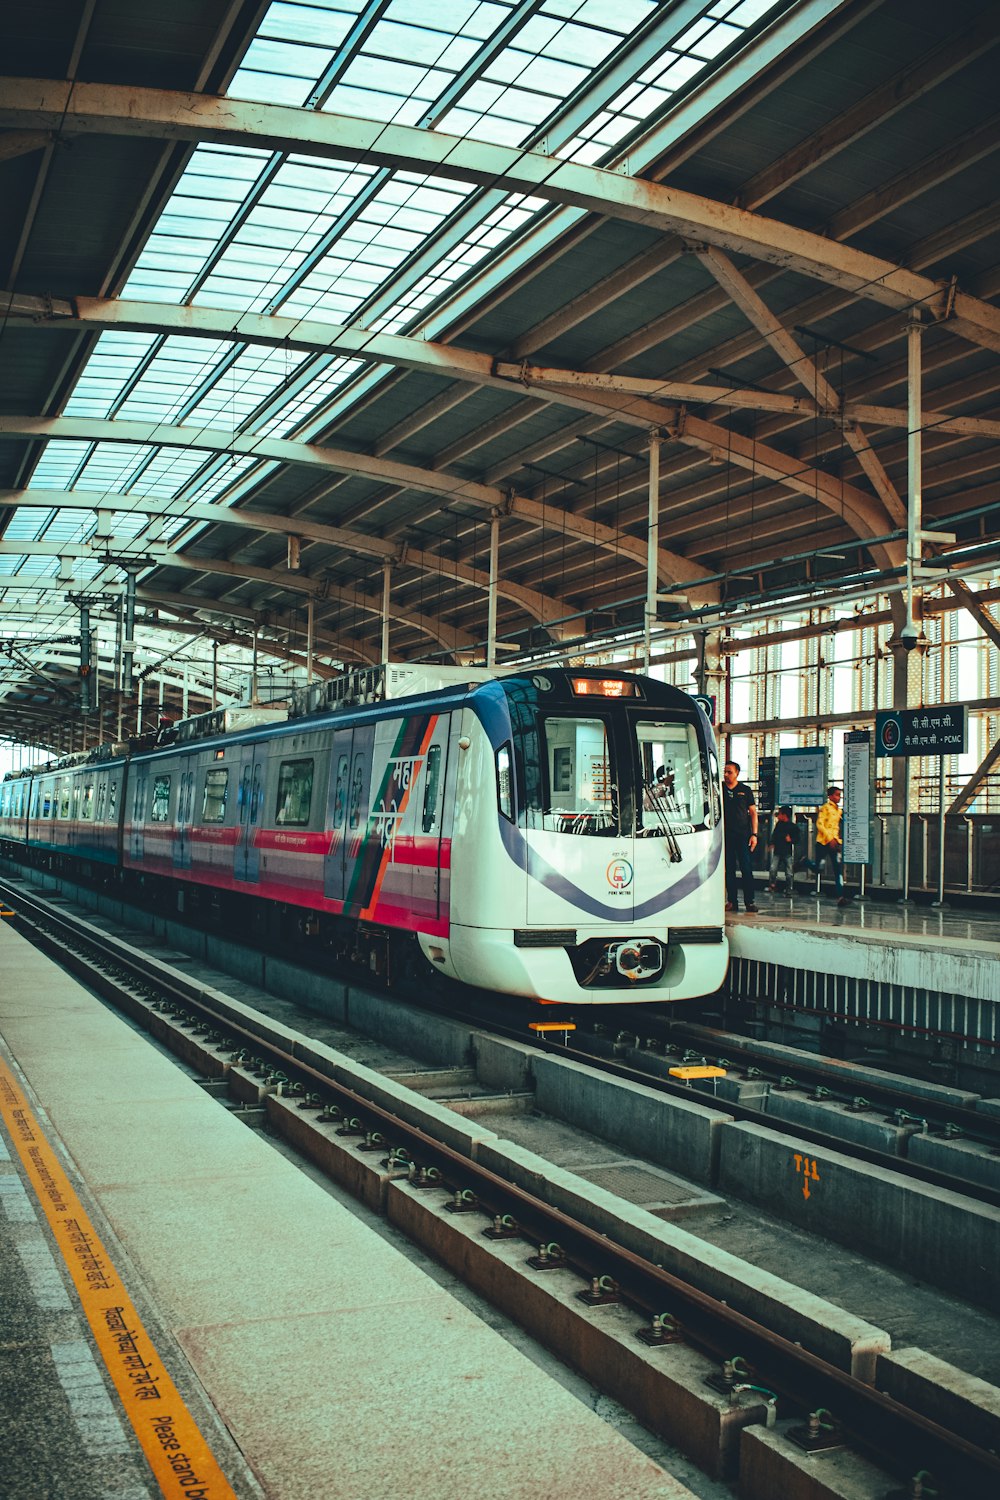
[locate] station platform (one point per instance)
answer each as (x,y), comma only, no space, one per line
(190,1315)
(951,952)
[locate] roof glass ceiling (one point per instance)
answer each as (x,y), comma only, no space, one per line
(332,241)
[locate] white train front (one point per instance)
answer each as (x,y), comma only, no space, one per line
(555,835)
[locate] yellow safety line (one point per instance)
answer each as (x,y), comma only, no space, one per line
(178,1454)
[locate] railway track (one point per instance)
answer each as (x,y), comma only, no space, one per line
(758,1374)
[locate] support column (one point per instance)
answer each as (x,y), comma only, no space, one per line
(711,669)
(86,666)
(386,585)
(652,546)
(128,644)
(310,632)
(491,621)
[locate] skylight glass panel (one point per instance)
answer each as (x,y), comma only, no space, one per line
(58,466)
(27,524)
(207,202)
(220,474)
(168,469)
(70,526)
(110,367)
(113,466)
(290,417)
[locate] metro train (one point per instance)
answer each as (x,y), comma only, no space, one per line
(555,835)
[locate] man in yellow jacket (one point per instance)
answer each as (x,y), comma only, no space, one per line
(828,838)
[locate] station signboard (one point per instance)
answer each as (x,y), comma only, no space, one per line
(937,730)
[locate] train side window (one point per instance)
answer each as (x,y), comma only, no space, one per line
(505,782)
(161,799)
(137,801)
(48,806)
(112,799)
(295,787)
(102,797)
(213,805)
(432,779)
(357,783)
(76,800)
(87,802)
(340,795)
(243,795)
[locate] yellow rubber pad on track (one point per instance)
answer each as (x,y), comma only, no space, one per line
(178,1455)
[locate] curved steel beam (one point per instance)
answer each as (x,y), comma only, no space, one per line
(159,556)
(107,109)
(672,567)
(540,607)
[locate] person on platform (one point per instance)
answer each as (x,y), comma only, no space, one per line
(828,839)
(741,837)
(782,847)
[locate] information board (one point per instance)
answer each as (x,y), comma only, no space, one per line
(856,824)
(767,781)
(939,730)
(802,776)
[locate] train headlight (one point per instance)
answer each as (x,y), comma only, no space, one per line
(638,960)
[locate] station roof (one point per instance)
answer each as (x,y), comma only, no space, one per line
(299,298)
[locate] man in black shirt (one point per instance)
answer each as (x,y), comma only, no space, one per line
(741,837)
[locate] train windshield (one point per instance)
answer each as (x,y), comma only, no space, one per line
(580,795)
(616,772)
(677,791)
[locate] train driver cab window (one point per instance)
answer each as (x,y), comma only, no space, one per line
(295,786)
(161,799)
(429,819)
(582,797)
(213,803)
(676,797)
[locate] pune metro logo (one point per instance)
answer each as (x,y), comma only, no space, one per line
(619,874)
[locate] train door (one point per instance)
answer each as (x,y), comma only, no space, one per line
(185,801)
(136,845)
(352,865)
(429,830)
(337,814)
(251,798)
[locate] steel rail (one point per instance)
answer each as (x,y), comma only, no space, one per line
(878,1424)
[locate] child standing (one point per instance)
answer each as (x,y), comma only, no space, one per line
(782,846)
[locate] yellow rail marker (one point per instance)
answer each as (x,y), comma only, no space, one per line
(551,1025)
(177,1453)
(696,1072)
(7,911)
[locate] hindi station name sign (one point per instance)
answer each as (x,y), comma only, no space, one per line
(921,731)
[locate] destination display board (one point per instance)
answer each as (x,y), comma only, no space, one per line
(856,824)
(938,730)
(802,776)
